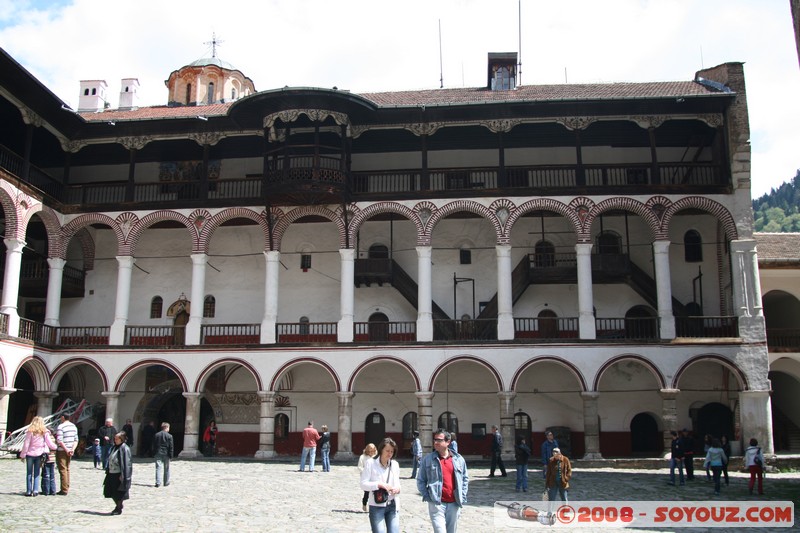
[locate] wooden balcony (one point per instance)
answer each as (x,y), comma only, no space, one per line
(546,329)
(783,339)
(34,275)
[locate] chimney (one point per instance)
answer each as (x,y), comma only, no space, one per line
(92,97)
(502,71)
(129,94)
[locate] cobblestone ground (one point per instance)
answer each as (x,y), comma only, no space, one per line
(230,495)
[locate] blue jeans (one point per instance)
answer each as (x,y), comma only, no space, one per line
(444,517)
(415,460)
(162,463)
(49,478)
(326,460)
(552,492)
(384,519)
(105,451)
(33,470)
(673,463)
(522,477)
(311,453)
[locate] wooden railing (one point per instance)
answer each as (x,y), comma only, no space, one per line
(546,328)
(306,332)
(155,335)
(465,330)
(634,329)
(707,326)
(230,334)
(385,331)
(783,339)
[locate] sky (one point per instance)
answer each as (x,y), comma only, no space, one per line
(375,45)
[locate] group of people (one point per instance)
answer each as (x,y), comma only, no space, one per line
(715,463)
(312,437)
(442,481)
(43,450)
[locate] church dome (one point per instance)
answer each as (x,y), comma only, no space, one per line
(209,61)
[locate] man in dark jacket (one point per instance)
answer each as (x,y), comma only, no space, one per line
(106,435)
(687,445)
(148,434)
(676,458)
(497,449)
(162,451)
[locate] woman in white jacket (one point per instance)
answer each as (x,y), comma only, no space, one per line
(382,474)
(754,462)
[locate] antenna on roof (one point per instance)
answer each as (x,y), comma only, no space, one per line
(441,69)
(214,42)
(519,64)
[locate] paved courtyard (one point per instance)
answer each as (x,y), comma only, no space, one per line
(232,495)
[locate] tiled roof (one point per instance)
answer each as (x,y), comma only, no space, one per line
(778,246)
(444,97)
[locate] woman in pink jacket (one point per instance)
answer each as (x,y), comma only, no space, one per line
(37,444)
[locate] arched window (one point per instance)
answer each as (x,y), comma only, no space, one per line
(156,307)
(378,251)
(409,425)
(210,98)
(86,92)
(304,329)
(281,426)
(188,93)
(209,307)
(609,242)
(378,327)
(233,94)
(448,421)
(692,247)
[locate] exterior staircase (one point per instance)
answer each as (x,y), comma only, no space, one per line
(786,434)
(76,411)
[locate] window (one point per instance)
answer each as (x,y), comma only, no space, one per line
(86,92)
(448,421)
(156,307)
(94,92)
(609,243)
(465,257)
(281,426)
(233,94)
(305,262)
(503,79)
(378,251)
(409,425)
(209,307)
(210,98)
(692,247)
(188,93)
(304,329)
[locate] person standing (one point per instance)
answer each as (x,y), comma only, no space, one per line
(687,445)
(715,459)
(310,438)
(106,435)
(443,482)
(49,473)
(117,484)
(754,463)
(148,433)
(726,447)
(325,448)
(36,444)
(416,452)
(382,475)
(522,453)
(559,472)
(66,442)
(676,458)
(550,443)
(162,451)
(497,450)
(369,453)
(210,438)
(128,429)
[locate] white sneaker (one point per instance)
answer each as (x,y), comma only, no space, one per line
(364,508)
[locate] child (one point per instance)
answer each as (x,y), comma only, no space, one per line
(369,453)
(97,452)
(49,472)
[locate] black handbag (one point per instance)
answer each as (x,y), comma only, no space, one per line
(382,495)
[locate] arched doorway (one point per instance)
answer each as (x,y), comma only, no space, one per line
(378,327)
(640,323)
(548,324)
(645,437)
(374,428)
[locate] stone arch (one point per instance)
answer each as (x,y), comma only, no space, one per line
(713,208)
(82,222)
(207,232)
(8,193)
(626,204)
(468,206)
(276,378)
(87,245)
(379,359)
(649,365)
(545,204)
(379,208)
(552,359)
(723,361)
(55,240)
(216,364)
(38,371)
(128,372)
(296,214)
(64,367)
(159,216)
(469,358)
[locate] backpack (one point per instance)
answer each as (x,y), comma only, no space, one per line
(757,459)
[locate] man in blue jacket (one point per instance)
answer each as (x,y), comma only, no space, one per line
(443,482)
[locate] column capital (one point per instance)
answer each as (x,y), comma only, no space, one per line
(347,253)
(669,393)
(345,394)
(191,395)
(424,251)
(425,395)
(755,393)
(44,394)
(507,395)
(583,248)
(199,259)
(56,263)
(14,245)
(266,395)
(590,395)
(503,249)
(111,394)
(661,246)
(126,261)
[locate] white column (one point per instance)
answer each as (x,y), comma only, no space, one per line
(507,425)
(664,289)
(586,323)
(54,280)
(505,298)
(344,436)
(11,283)
(755,413)
(669,416)
(191,426)
(424,295)
(266,425)
(591,426)
(44,403)
(112,405)
(195,324)
(273,260)
(5,392)
(344,330)
(747,291)
(124,272)
(425,418)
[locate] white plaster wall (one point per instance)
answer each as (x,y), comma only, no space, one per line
(682,272)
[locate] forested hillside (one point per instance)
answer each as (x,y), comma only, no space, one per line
(779,211)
